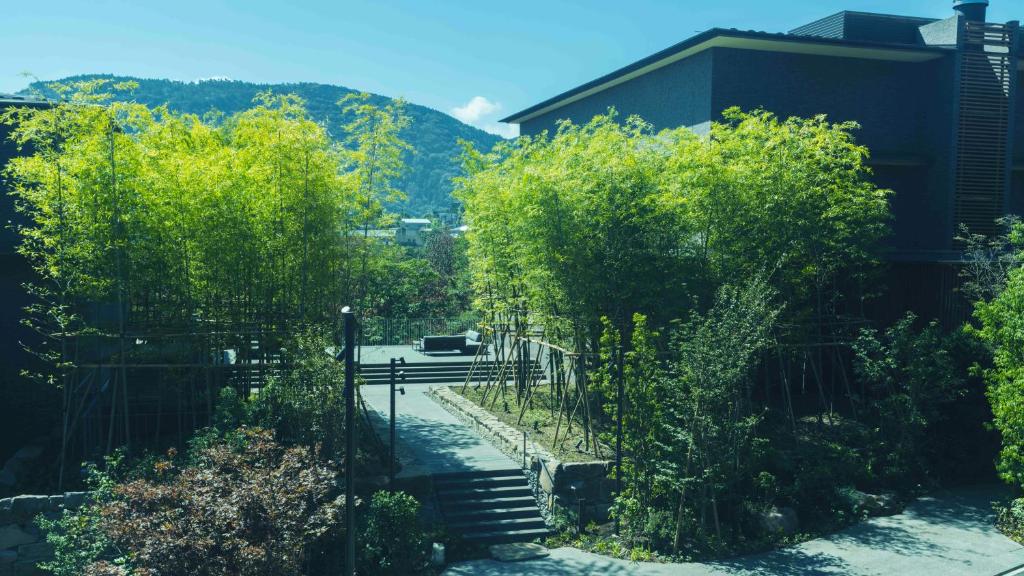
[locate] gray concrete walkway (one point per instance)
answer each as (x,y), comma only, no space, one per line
(430,439)
(948,534)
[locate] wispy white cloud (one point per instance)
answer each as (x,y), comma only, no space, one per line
(479,112)
(476,109)
(503,130)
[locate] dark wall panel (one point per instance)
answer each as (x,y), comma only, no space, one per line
(884,97)
(676,95)
(904,110)
(1018,121)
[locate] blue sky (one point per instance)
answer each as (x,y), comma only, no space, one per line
(477,60)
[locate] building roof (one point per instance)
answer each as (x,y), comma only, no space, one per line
(9,99)
(732,38)
(415,221)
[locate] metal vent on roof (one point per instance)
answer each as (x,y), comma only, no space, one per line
(987,74)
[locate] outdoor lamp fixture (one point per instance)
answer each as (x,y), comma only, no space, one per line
(349,319)
(392,455)
(575,488)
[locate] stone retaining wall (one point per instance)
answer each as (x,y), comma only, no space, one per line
(22,544)
(560,482)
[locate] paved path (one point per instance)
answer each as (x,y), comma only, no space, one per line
(430,439)
(949,534)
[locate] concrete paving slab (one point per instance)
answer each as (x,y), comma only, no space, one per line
(430,439)
(517,552)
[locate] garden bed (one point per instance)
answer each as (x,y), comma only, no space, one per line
(539,423)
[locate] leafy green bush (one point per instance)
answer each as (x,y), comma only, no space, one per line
(250,507)
(77,536)
(393,541)
(911,375)
(304,404)
(1010,519)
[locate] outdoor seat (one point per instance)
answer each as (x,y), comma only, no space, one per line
(461,343)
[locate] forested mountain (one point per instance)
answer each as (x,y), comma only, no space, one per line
(433,134)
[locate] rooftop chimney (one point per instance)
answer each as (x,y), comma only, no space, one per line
(973,10)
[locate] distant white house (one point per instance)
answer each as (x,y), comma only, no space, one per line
(412,231)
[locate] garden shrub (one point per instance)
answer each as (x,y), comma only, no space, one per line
(303,405)
(1010,519)
(393,542)
(910,375)
(248,508)
(77,537)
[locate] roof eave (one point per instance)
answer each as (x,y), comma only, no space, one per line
(717,37)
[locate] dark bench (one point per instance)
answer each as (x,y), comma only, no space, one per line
(467,343)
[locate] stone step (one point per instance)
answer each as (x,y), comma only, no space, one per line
(496,525)
(487,514)
(502,537)
(478,474)
(494,503)
(463,495)
(480,483)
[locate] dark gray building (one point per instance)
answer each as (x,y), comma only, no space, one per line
(937,101)
(22,416)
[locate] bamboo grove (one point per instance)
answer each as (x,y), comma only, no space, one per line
(166,238)
(608,219)
(716,286)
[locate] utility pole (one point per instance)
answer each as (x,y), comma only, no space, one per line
(350,441)
(393,454)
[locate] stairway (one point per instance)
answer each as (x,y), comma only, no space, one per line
(490,506)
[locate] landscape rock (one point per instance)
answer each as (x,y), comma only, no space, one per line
(872,504)
(28,569)
(8,557)
(6,516)
(25,508)
(881,505)
(37,552)
(437,555)
(12,536)
(75,500)
(780,520)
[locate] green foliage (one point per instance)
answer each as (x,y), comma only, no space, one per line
(77,536)
(910,375)
(712,447)
(434,136)
(304,404)
(607,218)
(792,196)
(393,542)
(1002,328)
(1010,519)
(578,225)
(643,419)
(250,507)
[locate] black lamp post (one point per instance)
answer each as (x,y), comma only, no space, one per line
(618,431)
(350,440)
(393,456)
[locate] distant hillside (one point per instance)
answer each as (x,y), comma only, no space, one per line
(433,134)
